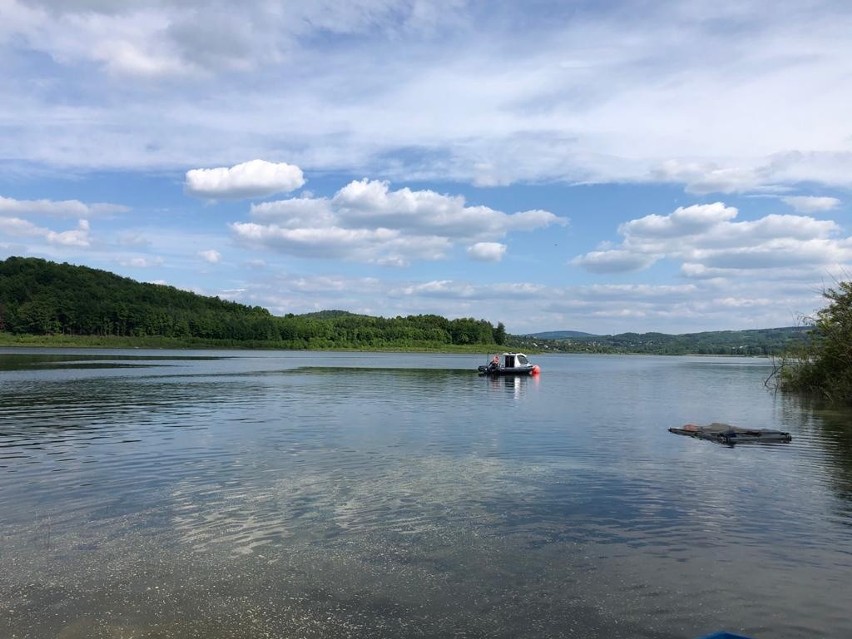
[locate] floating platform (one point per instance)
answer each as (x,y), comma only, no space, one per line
(727,434)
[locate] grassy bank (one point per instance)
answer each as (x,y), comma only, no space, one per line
(152,342)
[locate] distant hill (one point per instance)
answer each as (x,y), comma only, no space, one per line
(559,335)
(767,341)
(38,297)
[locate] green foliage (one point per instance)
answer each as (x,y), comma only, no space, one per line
(823,367)
(43,298)
(500,334)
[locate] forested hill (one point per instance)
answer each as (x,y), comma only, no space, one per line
(39,297)
(767,341)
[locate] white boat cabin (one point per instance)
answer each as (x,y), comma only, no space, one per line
(513,360)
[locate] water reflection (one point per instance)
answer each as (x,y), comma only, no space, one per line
(828,430)
(513,385)
(397,496)
(39,359)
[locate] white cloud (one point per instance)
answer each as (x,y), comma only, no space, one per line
(614,261)
(706,239)
(810,203)
(210,256)
(578,96)
(249,179)
(132,238)
(17,227)
(366,221)
(77,237)
(143,262)
(129,40)
(487,251)
(54,208)
(443,289)
(20,228)
(774,253)
(379,246)
(783,226)
(372,202)
(137,58)
(637,292)
(708,177)
(690,220)
(296,212)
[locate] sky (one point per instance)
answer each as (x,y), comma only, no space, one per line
(600,166)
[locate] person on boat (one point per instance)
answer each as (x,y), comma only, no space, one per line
(495,362)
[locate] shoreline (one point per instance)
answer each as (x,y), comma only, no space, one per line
(8,340)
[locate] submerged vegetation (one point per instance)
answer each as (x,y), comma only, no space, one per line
(47,303)
(822,366)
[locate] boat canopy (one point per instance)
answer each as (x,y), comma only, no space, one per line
(511,360)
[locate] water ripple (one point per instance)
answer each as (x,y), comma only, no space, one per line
(270,495)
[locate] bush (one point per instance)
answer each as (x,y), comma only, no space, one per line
(823,366)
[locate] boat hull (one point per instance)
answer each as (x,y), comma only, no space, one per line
(515,370)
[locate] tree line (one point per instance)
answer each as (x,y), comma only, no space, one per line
(755,342)
(39,297)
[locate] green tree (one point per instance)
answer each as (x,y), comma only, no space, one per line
(38,317)
(500,334)
(823,365)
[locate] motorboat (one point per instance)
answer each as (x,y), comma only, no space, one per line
(509,364)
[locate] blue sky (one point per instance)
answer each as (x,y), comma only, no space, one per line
(599,166)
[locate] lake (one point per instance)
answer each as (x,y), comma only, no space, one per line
(300,494)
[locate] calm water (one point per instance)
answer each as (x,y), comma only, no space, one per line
(277,494)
